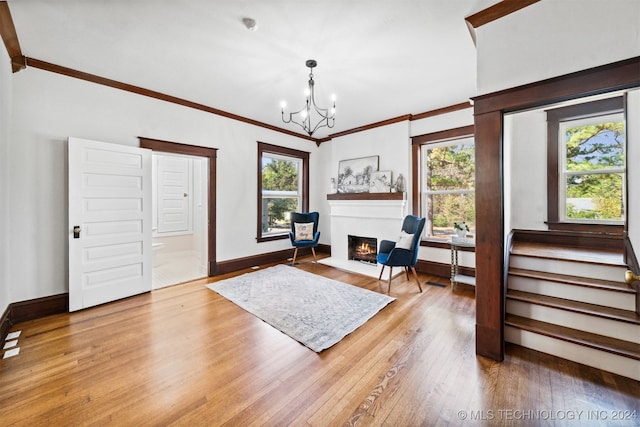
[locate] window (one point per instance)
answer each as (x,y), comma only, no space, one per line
(587,164)
(283,187)
(447,180)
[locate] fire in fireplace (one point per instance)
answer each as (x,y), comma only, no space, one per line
(362,249)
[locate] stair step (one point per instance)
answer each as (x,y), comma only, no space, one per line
(609,313)
(540,250)
(574,280)
(599,342)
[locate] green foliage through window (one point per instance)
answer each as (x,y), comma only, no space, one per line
(449,185)
(594,168)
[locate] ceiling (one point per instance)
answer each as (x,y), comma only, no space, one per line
(381,58)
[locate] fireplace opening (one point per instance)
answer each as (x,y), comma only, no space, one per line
(362,249)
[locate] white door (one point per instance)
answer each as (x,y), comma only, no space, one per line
(109,222)
(174,190)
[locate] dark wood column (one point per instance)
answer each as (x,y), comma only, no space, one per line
(489,236)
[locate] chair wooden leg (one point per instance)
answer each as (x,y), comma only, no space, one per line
(313,251)
(390,276)
(406,271)
(416,276)
(295,253)
(381,271)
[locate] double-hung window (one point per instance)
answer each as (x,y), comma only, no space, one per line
(447,181)
(589,142)
(283,187)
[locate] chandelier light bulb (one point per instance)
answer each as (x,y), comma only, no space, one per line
(283,104)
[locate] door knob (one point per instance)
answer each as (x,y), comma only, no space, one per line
(76,231)
(629,277)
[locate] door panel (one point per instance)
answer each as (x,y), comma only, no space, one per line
(110,202)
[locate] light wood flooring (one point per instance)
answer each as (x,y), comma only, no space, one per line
(183,355)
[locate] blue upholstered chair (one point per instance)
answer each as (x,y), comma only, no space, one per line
(404,252)
(304,232)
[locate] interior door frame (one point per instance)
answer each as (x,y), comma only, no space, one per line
(157,145)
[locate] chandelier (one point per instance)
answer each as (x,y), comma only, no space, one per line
(307,116)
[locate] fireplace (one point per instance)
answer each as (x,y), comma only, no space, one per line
(362,249)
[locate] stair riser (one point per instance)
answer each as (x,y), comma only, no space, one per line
(596,325)
(596,296)
(603,360)
(580,269)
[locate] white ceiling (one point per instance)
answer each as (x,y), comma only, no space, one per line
(382,58)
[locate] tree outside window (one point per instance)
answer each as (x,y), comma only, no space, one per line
(593,168)
(586,166)
(282,189)
(448,185)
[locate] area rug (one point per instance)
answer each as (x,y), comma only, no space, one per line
(314,310)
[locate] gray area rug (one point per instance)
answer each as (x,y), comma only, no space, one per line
(312,309)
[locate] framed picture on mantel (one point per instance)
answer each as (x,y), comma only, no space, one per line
(354,175)
(380,182)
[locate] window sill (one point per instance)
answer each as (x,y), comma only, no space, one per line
(443,244)
(586,227)
(272,237)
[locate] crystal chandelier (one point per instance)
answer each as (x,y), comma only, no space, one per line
(310,112)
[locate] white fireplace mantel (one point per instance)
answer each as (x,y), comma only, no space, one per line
(365,217)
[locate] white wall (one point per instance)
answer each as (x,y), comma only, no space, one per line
(555,37)
(48,108)
(5,134)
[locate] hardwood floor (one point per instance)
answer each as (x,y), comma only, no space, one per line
(183,355)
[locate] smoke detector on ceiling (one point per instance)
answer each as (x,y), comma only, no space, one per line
(250,24)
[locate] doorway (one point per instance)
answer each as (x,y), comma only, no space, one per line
(206,179)
(180,218)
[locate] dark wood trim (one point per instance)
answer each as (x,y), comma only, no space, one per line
(574,239)
(194,150)
(631,260)
(23,311)
(488,110)
(443,110)
(441,269)
(366,196)
(490,295)
(237,264)
(264,147)
(39,307)
(10,38)
(416,174)
(69,72)
(387,122)
(497,11)
(593,81)
(443,135)
(587,228)
(5,323)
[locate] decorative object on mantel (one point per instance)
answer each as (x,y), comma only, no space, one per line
(461,228)
(400,186)
(354,175)
(380,182)
(334,187)
(303,117)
